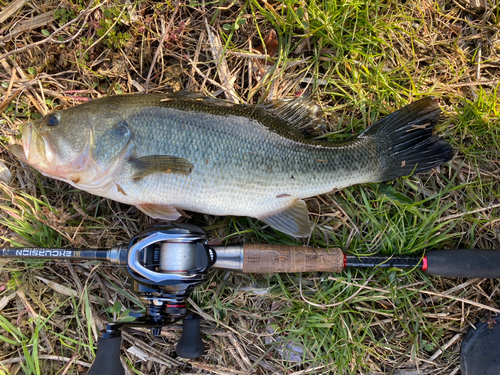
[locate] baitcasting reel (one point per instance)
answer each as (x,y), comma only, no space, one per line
(166,262)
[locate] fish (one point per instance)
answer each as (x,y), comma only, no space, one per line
(170,153)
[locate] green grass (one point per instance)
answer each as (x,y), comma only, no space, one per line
(360,60)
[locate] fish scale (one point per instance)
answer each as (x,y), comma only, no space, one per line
(243,157)
(165,153)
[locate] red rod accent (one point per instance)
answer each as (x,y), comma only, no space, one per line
(424,263)
(176,305)
(345,260)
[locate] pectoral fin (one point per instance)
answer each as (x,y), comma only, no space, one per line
(159,211)
(160,164)
(292,220)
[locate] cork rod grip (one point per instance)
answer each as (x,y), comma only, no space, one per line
(261,258)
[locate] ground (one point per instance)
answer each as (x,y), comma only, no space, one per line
(359,60)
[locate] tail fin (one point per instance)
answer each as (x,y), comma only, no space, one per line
(405,140)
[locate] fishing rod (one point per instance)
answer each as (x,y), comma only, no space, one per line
(168,260)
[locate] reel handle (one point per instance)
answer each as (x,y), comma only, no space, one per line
(107,360)
(190,345)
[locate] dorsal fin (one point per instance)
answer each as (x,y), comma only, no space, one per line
(196,96)
(301,113)
(186,94)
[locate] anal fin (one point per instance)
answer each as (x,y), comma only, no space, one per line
(292,220)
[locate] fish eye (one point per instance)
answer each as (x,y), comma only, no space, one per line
(54,119)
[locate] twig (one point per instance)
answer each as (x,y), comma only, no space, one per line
(478,59)
(361,287)
(453,290)
(477,83)
(43,19)
(68,365)
(249,55)
(217,369)
(227,81)
(30,93)
(195,61)
(168,361)
(10,9)
(205,76)
(5,300)
(308,370)
(450,217)
(8,99)
(445,346)
(11,361)
(241,352)
(155,57)
(477,304)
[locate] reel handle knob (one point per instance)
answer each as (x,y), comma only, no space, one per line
(190,345)
(107,360)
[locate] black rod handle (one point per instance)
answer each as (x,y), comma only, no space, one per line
(190,345)
(107,360)
(471,263)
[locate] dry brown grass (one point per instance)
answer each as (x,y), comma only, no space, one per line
(413,323)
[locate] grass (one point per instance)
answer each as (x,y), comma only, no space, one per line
(360,60)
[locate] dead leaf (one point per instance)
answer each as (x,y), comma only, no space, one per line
(10,9)
(172,76)
(270,45)
(5,174)
(5,300)
(120,189)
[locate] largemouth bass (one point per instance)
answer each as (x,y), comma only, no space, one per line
(174,152)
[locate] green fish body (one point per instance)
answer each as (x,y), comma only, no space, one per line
(168,153)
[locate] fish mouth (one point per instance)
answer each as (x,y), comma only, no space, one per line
(37,149)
